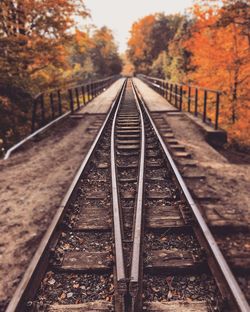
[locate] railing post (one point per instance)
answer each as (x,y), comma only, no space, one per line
(189,99)
(181,99)
(96,88)
(217,110)
(176,96)
(77,98)
(88,90)
(52,106)
(33,122)
(171,93)
(196,102)
(92,90)
(167,95)
(83,95)
(59,102)
(42,108)
(71,101)
(205,106)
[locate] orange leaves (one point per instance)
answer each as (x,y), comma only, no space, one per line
(221,58)
(139,42)
(140,33)
(33,36)
(150,36)
(83,41)
(211,50)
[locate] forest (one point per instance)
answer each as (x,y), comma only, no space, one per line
(209,46)
(42,47)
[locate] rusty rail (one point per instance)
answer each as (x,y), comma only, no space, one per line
(221,267)
(121,287)
(136,262)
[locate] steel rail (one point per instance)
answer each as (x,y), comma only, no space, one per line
(232,284)
(20,296)
(117,226)
(134,285)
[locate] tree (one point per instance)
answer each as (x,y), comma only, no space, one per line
(221,56)
(33,34)
(93,54)
(104,53)
(238,13)
(174,62)
(149,37)
(164,30)
(139,44)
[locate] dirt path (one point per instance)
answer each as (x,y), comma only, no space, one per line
(33,183)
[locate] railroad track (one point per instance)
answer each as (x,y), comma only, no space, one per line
(128,235)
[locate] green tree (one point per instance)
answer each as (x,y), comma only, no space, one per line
(178,57)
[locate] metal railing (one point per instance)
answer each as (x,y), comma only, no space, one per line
(52,104)
(202,102)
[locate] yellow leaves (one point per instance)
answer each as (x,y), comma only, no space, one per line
(211,51)
(221,57)
(139,33)
(83,40)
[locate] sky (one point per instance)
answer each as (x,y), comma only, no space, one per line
(120,15)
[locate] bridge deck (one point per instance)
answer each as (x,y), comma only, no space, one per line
(102,103)
(154,101)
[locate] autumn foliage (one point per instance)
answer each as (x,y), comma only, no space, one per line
(209,47)
(41,48)
(220,47)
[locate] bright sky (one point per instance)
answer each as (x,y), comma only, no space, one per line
(119,15)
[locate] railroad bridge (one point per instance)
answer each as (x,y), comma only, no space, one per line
(125,176)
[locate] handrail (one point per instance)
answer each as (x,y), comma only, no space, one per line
(53,103)
(54,110)
(72,87)
(29,137)
(207,107)
(180,84)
